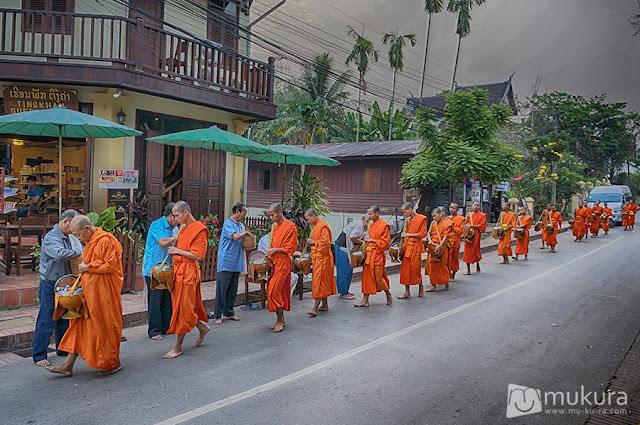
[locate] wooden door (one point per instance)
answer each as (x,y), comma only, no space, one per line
(203,181)
(154,170)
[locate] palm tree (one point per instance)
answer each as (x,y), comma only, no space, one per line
(316,81)
(361,53)
(396,61)
(463,26)
(431,7)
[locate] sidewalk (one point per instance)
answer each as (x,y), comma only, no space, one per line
(17,326)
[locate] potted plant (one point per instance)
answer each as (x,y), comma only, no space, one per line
(208,265)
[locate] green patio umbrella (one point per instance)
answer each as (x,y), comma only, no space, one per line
(212,138)
(62,122)
(289,154)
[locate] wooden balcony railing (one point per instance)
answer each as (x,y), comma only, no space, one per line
(132,44)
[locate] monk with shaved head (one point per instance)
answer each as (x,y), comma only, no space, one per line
(283,242)
(186,298)
(96,336)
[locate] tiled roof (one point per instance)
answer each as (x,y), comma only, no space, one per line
(497,94)
(362,149)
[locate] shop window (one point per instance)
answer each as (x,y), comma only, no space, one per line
(372,180)
(36,22)
(266,179)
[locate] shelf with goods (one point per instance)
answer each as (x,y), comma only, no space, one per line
(73,184)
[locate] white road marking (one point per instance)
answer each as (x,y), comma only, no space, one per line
(211,407)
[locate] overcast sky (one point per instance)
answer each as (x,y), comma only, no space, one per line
(583,47)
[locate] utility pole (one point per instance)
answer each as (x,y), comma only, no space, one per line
(556,129)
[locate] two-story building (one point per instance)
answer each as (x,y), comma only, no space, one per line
(156,66)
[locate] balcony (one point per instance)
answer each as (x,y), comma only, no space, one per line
(114,51)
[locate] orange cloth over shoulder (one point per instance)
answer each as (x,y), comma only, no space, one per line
(454,250)
(555,218)
(438,271)
(578,225)
(595,219)
(323,282)
(605,221)
(373,282)
(411,268)
(522,244)
(472,250)
(284,236)
(186,298)
(97,337)
(632,218)
(508,222)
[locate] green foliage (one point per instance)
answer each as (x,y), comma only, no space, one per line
(106,220)
(463,9)
(361,53)
(213,224)
(396,48)
(377,128)
(306,192)
(465,148)
(598,133)
(311,114)
(433,6)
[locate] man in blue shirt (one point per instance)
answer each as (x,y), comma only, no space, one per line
(230,264)
(58,247)
(34,196)
(162,234)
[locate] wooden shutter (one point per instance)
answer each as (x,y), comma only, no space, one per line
(372,180)
(49,6)
(154,175)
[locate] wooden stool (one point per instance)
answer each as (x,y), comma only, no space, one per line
(263,289)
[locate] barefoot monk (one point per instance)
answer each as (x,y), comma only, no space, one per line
(323,284)
(96,336)
(439,234)
(456,234)
(283,243)
(478,222)
(186,299)
(522,244)
(378,239)
(411,269)
(507,223)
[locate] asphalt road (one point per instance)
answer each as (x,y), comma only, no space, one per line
(556,322)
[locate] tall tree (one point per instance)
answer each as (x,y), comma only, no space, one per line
(465,147)
(396,61)
(361,53)
(316,80)
(430,7)
(463,27)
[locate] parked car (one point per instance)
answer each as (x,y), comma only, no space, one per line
(615,196)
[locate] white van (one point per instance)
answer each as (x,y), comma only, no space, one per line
(614,196)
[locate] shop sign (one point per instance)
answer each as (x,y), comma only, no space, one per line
(118,179)
(28,98)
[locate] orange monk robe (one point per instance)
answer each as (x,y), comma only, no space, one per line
(545,220)
(632,217)
(410,270)
(454,249)
(587,219)
(522,244)
(556,220)
(605,221)
(323,283)
(438,271)
(508,222)
(578,225)
(472,250)
(626,221)
(284,236)
(186,298)
(374,279)
(97,337)
(595,219)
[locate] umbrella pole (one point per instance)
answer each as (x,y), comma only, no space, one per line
(59,170)
(284,177)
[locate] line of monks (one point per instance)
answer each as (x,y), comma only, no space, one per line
(96,336)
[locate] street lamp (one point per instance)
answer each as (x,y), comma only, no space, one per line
(121,117)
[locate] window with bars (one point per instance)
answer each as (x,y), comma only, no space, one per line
(371,180)
(48,23)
